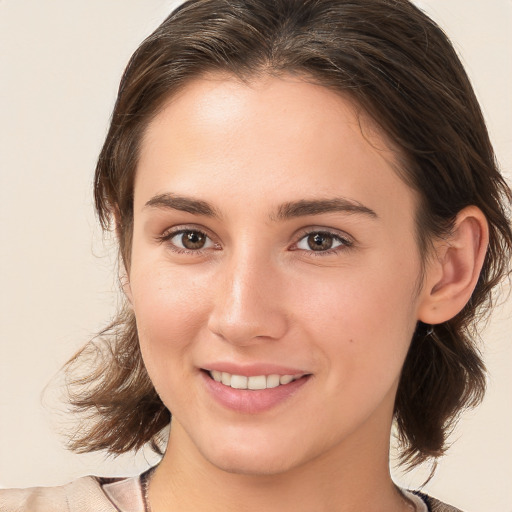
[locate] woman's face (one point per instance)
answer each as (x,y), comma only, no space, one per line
(272,239)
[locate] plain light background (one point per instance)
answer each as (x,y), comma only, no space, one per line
(60,64)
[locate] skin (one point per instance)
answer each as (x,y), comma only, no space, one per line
(257,293)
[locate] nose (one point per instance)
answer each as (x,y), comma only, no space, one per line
(248,301)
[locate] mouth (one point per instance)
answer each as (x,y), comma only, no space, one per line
(254,382)
(259,390)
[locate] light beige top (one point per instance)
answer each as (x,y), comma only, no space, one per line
(93,494)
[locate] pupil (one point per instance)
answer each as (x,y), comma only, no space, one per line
(320,241)
(193,240)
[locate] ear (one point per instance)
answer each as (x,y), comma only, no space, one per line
(455,267)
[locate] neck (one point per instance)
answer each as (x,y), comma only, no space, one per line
(353,476)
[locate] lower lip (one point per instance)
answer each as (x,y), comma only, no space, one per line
(252,401)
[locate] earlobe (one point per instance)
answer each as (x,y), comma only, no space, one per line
(453,273)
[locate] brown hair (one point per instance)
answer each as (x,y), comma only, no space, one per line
(401,69)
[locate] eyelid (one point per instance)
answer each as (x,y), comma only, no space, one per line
(346,241)
(170,233)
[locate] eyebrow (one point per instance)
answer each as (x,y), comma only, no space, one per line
(182,203)
(285,211)
(306,207)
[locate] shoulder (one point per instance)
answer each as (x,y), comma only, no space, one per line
(436,505)
(85,494)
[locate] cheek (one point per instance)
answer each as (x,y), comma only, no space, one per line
(355,301)
(170,308)
(363,320)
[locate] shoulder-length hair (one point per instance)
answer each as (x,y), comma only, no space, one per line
(399,67)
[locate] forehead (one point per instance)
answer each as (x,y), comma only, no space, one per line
(272,138)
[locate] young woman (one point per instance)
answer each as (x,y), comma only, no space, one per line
(310,220)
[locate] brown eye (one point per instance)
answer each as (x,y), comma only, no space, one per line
(193,240)
(320,241)
(188,241)
(323,242)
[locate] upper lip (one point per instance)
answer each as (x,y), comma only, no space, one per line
(253,369)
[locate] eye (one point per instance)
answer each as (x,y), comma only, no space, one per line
(322,241)
(192,240)
(187,240)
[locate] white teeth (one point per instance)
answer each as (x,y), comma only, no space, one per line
(255,382)
(285,379)
(259,382)
(273,381)
(239,381)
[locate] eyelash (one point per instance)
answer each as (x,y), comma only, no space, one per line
(345,243)
(168,235)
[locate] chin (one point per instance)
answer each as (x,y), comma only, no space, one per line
(239,464)
(251,457)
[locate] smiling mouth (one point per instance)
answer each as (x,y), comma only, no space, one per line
(256,382)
